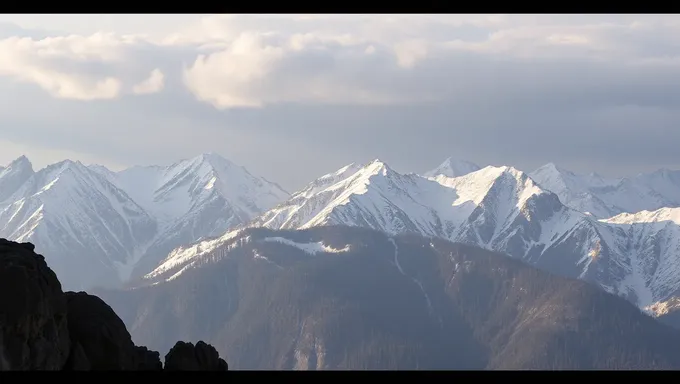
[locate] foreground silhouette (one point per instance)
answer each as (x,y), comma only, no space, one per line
(44,328)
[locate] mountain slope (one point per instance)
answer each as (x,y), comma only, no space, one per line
(82,220)
(199,197)
(497,208)
(113,224)
(352,298)
(651,242)
(604,198)
(13,177)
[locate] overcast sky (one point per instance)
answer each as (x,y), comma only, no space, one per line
(292,97)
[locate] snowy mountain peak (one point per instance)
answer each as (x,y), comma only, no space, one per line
(380,198)
(214,159)
(20,163)
(377,167)
(115,224)
(551,170)
(452,167)
(13,177)
(662,215)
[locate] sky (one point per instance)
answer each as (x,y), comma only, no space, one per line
(293,97)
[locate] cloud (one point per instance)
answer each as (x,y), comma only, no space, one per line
(74,67)
(153,84)
(257,69)
(292,96)
(368,60)
(236,61)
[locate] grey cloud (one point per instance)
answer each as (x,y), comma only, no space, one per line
(611,116)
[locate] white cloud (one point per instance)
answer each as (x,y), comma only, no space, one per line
(258,69)
(517,78)
(71,67)
(153,84)
(258,60)
(254,61)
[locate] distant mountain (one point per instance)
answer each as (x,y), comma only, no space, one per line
(13,177)
(115,225)
(195,198)
(620,234)
(352,298)
(604,198)
(453,168)
(85,222)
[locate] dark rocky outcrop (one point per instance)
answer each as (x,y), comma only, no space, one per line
(187,357)
(33,311)
(100,333)
(43,328)
(147,360)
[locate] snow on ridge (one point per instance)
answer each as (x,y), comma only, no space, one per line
(607,197)
(171,192)
(378,197)
(310,248)
(118,218)
(660,216)
(182,255)
(474,186)
(312,205)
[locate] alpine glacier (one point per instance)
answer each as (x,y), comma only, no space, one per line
(100,228)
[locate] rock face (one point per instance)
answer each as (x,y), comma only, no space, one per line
(33,311)
(187,357)
(43,328)
(96,329)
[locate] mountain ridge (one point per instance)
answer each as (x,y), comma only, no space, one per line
(498,208)
(96,217)
(341,297)
(537,217)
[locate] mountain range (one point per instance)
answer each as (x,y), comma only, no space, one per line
(117,225)
(621,235)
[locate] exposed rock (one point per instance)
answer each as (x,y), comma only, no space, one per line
(77,360)
(187,357)
(43,328)
(147,360)
(101,333)
(33,325)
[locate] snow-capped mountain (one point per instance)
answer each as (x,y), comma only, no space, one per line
(91,229)
(498,208)
(13,177)
(113,224)
(649,243)
(620,234)
(199,197)
(604,198)
(452,167)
